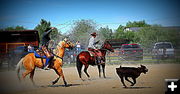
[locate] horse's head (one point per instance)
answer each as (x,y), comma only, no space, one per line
(66,44)
(69,45)
(60,49)
(107,46)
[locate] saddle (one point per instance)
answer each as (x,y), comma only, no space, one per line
(39,54)
(95,53)
(46,52)
(42,53)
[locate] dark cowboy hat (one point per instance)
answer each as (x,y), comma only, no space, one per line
(94,34)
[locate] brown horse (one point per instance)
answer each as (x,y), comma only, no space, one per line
(84,58)
(30,62)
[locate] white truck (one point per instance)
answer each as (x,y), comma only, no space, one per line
(162,50)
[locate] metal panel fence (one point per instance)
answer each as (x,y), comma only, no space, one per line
(148,57)
(112,58)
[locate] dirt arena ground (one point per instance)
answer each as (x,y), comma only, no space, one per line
(150,83)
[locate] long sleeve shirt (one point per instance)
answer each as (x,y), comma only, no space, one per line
(46,37)
(92,43)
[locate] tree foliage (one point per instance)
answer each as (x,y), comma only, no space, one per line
(121,34)
(43,26)
(137,24)
(18,28)
(105,33)
(150,35)
(82,30)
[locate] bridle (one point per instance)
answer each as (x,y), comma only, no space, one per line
(102,47)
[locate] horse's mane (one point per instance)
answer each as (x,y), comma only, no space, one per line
(105,43)
(55,51)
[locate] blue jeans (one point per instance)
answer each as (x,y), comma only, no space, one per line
(78,50)
(38,56)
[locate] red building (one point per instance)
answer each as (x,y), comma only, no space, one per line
(12,39)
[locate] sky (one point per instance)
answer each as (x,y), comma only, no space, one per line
(112,13)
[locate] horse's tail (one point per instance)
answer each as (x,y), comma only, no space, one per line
(19,65)
(79,65)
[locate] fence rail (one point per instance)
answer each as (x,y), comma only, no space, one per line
(147,57)
(112,58)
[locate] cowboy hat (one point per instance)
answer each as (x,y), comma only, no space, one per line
(94,34)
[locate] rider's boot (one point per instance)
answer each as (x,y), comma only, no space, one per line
(48,63)
(99,61)
(46,67)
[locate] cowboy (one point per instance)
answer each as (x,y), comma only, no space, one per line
(45,41)
(92,47)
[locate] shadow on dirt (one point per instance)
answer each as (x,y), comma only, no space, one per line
(132,87)
(136,87)
(69,85)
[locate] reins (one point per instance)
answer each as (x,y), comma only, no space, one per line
(57,56)
(57,48)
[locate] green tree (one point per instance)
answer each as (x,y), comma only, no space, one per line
(105,33)
(150,35)
(119,34)
(43,26)
(137,24)
(18,28)
(81,31)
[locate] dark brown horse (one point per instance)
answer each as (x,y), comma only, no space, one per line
(84,58)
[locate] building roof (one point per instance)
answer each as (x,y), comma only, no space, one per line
(136,29)
(19,36)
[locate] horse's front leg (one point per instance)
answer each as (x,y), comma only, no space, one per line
(55,81)
(103,68)
(99,69)
(85,70)
(60,73)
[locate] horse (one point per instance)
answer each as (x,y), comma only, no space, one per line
(84,58)
(30,62)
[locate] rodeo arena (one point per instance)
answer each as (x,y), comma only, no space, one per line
(126,68)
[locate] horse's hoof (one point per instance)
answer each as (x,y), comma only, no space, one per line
(89,79)
(66,85)
(125,86)
(53,82)
(82,79)
(132,85)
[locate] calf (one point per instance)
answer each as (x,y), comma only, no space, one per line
(130,72)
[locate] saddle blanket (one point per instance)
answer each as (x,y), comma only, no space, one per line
(38,56)
(96,53)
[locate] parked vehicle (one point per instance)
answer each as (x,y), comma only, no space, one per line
(131,51)
(162,50)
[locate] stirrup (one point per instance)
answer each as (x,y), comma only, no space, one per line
(101,63)
(46,68)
